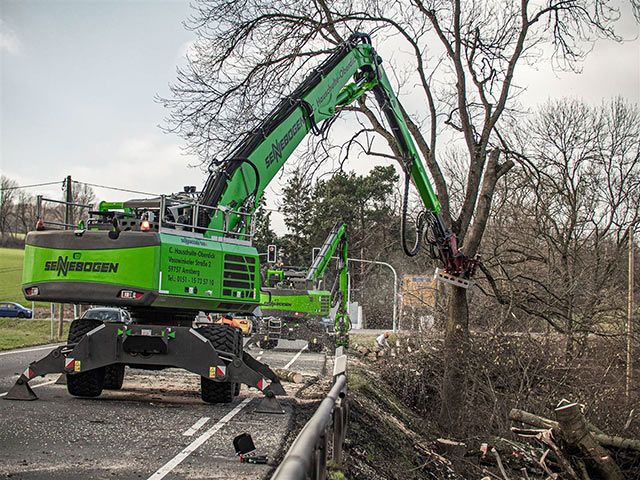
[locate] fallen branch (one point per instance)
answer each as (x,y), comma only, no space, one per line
(546,437)
(500,466)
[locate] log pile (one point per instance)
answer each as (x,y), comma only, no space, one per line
(572,446)
(372,354)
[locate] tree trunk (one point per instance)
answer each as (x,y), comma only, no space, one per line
(456,345)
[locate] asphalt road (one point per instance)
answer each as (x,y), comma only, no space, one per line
(155,427)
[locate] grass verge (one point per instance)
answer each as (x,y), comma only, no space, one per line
(11,275)
(25,333)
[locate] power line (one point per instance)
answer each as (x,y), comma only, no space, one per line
(30,186)
(116,188)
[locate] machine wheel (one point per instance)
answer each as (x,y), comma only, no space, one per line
(114,376)
(84,384)
(227,339)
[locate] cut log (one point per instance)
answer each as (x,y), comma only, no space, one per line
(617,442)
(531,419)
(574,431)
(603,439)
(288,375)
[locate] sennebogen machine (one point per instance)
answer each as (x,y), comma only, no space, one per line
(166,259)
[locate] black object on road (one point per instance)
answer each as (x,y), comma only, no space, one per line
(243,444)
(246,449)
(256,459)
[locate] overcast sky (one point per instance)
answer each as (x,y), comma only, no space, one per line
(78,80)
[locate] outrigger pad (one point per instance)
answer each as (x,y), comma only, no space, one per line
(269,404)
(277,388)
(21,391)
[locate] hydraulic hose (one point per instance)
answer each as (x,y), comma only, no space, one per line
(411,252)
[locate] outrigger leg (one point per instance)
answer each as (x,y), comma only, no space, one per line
(52,363)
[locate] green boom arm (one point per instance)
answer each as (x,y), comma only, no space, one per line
(336,238)
(237,182)
(336,242)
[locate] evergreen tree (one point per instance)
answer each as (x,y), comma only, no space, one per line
(297,208)
(264,235)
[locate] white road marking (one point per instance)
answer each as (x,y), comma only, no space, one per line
(47,347)
(259,357)
(196,426)
(193,446)
(49,382)
(295,357)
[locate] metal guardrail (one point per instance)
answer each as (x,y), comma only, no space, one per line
(323,435)
(40,210)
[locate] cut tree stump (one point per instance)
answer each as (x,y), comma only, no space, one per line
(573,429)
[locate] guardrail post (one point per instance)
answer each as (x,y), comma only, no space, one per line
(320,470)
(338,429)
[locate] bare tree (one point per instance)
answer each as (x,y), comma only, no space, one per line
(7,195)
(558,229)
(461,54)
(25,212)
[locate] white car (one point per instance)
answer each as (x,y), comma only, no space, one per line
(108,314)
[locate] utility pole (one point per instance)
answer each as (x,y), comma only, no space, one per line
(69,199)
(629,382)
(68,221)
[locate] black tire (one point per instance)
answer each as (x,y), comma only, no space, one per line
(84,384)
(315,347)
(226,339)
(114,376)
(21,315)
